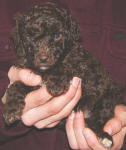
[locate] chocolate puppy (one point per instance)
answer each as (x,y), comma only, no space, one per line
(47,40)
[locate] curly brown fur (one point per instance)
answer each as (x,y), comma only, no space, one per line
(47,41)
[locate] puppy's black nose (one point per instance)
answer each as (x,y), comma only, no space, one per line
(43,58)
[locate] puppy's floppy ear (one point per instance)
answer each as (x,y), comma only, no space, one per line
(71,25)
(21,60)
(16,36)
(73,28)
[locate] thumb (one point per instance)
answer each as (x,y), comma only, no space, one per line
(24,75)
(120,114)
(114,125)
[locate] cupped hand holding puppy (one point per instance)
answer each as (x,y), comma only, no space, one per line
(42,112)
(39,110)
(82,138)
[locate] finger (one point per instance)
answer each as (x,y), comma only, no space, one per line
(13,74)
(46,122)
(52,124)
(63,113)
(79,126)
(24,75)
(53,107)
(119,139)
(92,140)
(120,113)
(70,131)
(36,98)
(113,126)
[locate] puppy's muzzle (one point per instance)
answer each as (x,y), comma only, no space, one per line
(43,60)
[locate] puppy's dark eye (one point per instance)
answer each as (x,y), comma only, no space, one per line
(29,37)
(57,37)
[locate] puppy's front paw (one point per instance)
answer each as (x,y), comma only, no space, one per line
(11,117)
(58,87)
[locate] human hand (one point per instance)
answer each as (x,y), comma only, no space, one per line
(82,138)
(39,110)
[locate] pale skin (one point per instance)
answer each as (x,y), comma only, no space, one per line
(41,112)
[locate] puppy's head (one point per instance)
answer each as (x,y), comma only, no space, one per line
(44,35)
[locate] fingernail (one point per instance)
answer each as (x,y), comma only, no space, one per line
(36,79)
(75,81)
(78,114)
(109,131)
(72,115)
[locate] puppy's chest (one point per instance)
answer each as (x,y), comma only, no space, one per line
(76,63)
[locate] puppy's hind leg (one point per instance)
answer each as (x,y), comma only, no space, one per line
(102,112)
